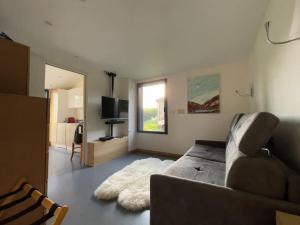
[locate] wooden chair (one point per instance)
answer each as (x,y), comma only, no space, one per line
(77,146)
(77,142)
(8,201)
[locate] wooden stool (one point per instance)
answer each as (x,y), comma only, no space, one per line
(54,210)
(287,219)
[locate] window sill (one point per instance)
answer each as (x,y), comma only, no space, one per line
(152,132)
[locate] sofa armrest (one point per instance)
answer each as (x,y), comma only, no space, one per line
(218,144)
(177,201)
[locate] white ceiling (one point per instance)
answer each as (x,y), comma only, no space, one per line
(137,38)
(56,78)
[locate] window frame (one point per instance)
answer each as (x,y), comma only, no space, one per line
(139,85)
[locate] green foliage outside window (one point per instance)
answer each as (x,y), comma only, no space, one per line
(150,120)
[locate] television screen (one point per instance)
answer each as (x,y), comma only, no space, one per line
(109,108)
(123,109)
(113,108)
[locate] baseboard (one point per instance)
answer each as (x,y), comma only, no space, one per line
(157,153)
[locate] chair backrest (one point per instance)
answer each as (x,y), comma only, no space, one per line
(78,136)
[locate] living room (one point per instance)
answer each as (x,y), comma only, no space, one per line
(190,111)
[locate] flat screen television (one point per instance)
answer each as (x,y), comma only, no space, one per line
(114,108)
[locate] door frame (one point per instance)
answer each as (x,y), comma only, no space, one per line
(85,144)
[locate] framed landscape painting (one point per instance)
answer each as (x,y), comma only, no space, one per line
(204,94)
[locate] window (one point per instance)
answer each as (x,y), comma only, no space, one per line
(152,107)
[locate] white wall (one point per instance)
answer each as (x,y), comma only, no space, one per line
(276,75)
(97,84)
(132,94)
(37,76)
(184,129)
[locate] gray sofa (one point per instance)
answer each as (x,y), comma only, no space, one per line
(237,182)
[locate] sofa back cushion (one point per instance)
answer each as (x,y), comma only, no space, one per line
(247,167)
(233,123)
(253,131)
(294,188)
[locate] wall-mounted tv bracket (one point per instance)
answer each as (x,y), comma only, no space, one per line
(112,76)
(112,122)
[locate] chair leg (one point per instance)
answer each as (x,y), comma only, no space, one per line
(73,150)
(81,153)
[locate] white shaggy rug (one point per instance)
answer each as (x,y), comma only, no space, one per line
(131,185)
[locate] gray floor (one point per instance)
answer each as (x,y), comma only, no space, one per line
(60,163)
(74,187)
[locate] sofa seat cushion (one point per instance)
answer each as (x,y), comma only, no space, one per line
(257,175)
(207,152)
(198,169)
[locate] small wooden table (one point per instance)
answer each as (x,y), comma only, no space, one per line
(286,219)
(100,152)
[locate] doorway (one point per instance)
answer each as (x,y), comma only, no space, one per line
(66,92)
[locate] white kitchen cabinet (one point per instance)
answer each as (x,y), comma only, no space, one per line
(64,135)
(70,131)
(61,135)
(52,133)
(59,110)
(75,98)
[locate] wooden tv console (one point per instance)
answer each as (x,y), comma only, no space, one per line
(100,152)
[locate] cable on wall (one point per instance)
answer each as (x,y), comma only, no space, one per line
(267,26)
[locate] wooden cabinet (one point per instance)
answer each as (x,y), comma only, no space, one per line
(24,127)
(14,68)
(24,145)
(100,152)
(75,98)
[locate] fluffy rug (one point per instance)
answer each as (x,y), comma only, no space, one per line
(131,185)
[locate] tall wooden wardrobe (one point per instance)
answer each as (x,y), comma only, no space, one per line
(23,123)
